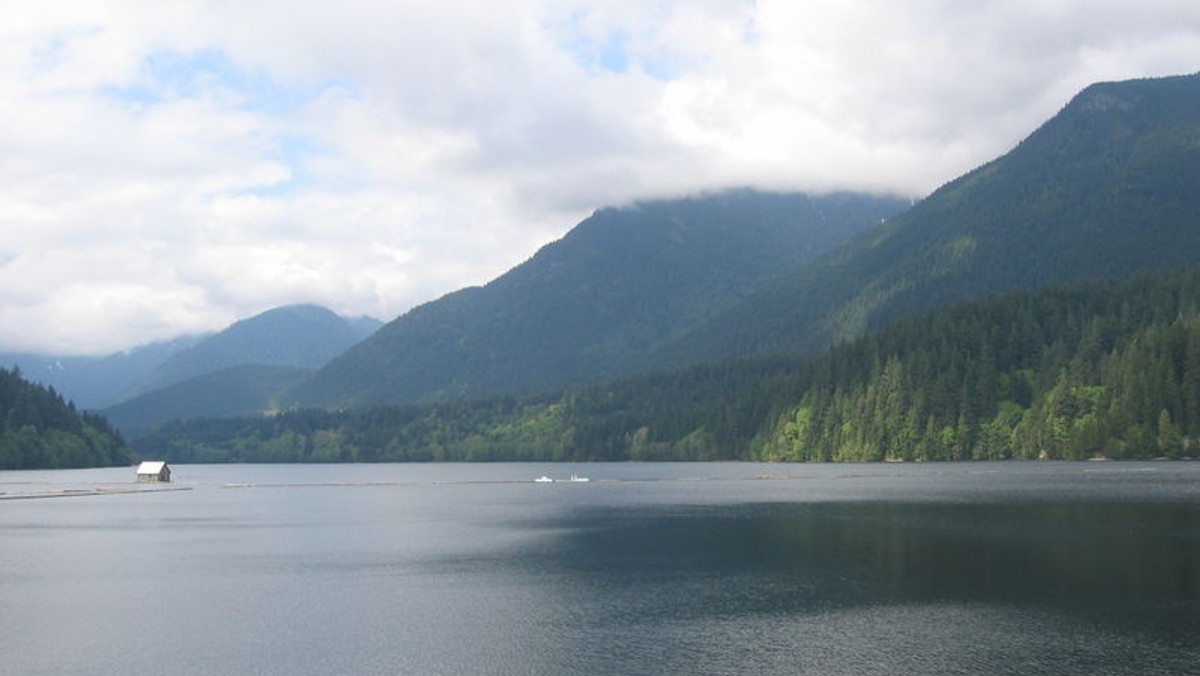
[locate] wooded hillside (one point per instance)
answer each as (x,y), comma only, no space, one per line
(1102,369)
(41,430)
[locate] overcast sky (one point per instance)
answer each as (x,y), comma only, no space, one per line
(169,167)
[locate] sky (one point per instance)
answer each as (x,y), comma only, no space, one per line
(169,167)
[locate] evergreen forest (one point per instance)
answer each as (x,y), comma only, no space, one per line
(1095,370)
(41,430)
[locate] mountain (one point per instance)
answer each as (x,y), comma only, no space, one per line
(1097,369)
(300,336)
(38,429)
(238,390)
(1102,193)
(95,382)
(1104,189)
(592,305)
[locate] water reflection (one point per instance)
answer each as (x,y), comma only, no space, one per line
(1020,569)
(1028,588)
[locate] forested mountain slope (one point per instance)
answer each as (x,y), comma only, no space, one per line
(1106,369)
(1105,189)
(590,306)
(250,389)
(38,429)
(1102,370)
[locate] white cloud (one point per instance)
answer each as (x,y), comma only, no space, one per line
(172,166)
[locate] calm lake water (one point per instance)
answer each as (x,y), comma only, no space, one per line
(1009,568)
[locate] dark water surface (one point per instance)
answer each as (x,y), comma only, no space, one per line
(1010,568)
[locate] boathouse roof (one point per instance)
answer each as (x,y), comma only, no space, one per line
(151,467)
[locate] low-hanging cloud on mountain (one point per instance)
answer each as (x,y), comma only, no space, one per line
(170,167)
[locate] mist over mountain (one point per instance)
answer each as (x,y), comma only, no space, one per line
(95,382)
(299,336)
(642,317)
(1104,189)
(592,305)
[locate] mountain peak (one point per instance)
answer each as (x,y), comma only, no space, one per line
(302,336)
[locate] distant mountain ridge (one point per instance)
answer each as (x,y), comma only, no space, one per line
(234,391)
(95,382)
(299,336)
(240,370)
(591,305)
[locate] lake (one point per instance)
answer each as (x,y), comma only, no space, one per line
(664,569)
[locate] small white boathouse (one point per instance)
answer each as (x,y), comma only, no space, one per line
(153,470)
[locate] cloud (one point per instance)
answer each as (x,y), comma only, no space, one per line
(171,167)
